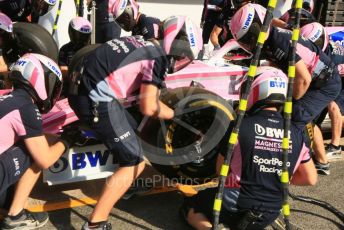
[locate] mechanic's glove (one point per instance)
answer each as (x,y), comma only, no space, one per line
(70,136)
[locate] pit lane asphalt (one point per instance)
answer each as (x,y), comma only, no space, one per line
(160,211)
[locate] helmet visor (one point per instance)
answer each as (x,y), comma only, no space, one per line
(181,53)
(249,40)
(40,7)
(53,86)
(320,41)
(126,20)
(178,64)
(78,38)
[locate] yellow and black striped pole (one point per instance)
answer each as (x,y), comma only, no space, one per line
(78,6)
(225,169)
(288,111)
(57,18)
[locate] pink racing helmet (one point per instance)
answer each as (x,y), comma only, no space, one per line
(182,41)
(125,13)
(269,88)
(79,31)
(6,29)
(6,23)
(40,77)
(316,33)
(246,23)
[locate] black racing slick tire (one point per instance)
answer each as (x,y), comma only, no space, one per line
(186,149)
(35,39)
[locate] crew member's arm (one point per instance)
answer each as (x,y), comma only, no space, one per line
(150,105)
(64,71)
(3,66)
(302,80)
(214,36)
(31,131)
(43,154)
(305,174)
(279,23)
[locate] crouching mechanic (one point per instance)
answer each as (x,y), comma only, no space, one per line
(317,34)
(119,69)
(128,16)
(24,149)
(317,81)
(256,165)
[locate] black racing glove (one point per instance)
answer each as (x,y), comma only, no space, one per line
(70,136)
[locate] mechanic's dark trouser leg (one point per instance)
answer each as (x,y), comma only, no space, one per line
(207,28)
(113,128)
(107,31)
(315,100)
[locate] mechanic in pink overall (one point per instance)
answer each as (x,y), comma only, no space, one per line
(24,149)
(116,70)
(256,165)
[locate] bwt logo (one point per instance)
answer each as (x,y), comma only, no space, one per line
(269,132)
(192,38)
(21,62)
(124,4)
(248,21)
(316,36)
(278,84)
(80,160)
(85,29)
(54,69)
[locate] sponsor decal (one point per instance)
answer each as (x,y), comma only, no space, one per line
(123,5)
(269,165)
(277,84)
(16,167)
(248,21)
(269,132)
(54,69)
(2,98)
(21,62)
(315,36)
(338,37)
(81,160)
(117,44)
(85,29)
(191,36)
(122,137)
